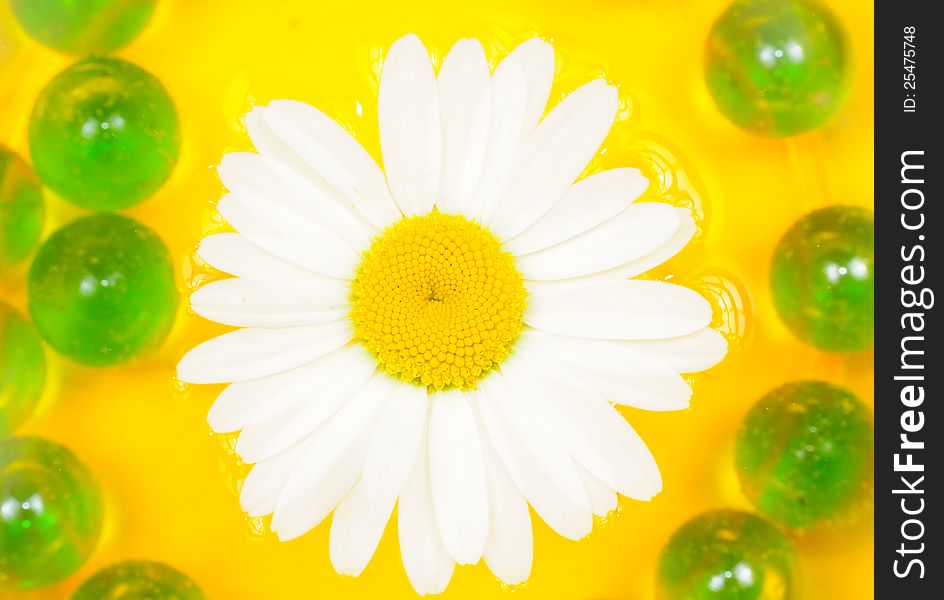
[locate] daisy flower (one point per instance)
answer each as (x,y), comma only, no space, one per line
(446,336)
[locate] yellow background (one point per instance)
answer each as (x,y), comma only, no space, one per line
(168,484)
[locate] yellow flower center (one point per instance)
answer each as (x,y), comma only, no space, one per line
(437,301)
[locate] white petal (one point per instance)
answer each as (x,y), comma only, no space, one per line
(305,196)
(603,500)
(394,441)
(536,58)
(261,488)
(321,495)
(242,303)
(659,255)
(616,309)
(304,399)
(410,131)
(425,558)
(247,354)
(687,354)
(553,157)
(628,236)
(505,132)
(457,476)
(269,144)
(284,234)
(356,529)
(231,411)
(618,372)
(540,468)
(589,202)
(520,88)
(336,156)
(235,255)
(593,433)
(238,402)
(465,98)
(509,550)
(331,464)
(273,146)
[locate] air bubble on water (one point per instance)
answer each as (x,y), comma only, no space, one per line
(233,468)
(194,270)
(211,221)
(692,382)
(370,68)
(182,389)
(732,312)
(226,441)
(626,110)
(513,588)
(671,177)
(256,528)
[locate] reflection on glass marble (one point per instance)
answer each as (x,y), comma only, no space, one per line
(777,67)
(22,369)
(804,454)
(822,279)
(50,513)
(727,555)
(104,134)
(138,580)
(86,26)
(101,290)
(21,208)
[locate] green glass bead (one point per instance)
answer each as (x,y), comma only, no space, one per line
(823,279)
(804,454)
(104,134)
(21,208)
(777,67)
(101,290)
(85,26)
(22,369)
(50,513)
(139,580)
(727,555)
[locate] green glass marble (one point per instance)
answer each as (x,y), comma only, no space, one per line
(139,580)
(21,208)
(727,555)
(777,67)
(22,369)
(823,279)
(101,290)
(804,454)
(104,134)
(50,513)
(84,26)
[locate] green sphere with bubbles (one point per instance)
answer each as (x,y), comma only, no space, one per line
(823,279)
(21,209)
(101,290)
(50,513)
(804,454)
(22,369)
(727,555)
(777,67)
(80,27)
(139,580)
(104,134)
